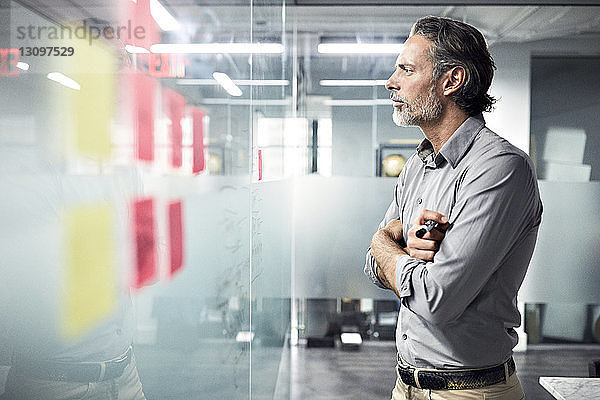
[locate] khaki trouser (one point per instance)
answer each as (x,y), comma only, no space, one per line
(126,387)
(510,390)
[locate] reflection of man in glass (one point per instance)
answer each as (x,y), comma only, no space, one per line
(97,362)
(99,366)
(458,283)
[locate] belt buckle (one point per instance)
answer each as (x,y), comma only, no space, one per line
(430,380)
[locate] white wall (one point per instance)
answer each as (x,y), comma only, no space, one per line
(510,118)
(352,150)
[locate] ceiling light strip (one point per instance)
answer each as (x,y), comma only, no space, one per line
(227,84)
(135,49)
(23,65)
(163,18)
(360,48)
(218,48)
(246,102)
(63,80)
(240,82)
(352,82)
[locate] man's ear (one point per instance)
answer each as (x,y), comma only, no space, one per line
(453,80)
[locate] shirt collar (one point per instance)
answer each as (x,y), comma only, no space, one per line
(456,146)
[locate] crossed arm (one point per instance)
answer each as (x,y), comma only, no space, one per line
(386,245)
(496,216)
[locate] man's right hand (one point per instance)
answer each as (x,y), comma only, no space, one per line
(426,247)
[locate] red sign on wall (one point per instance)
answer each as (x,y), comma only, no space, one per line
(198,164)
(9,59)
(175,108)
(260,166)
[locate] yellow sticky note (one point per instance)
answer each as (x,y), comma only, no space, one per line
(92,106)
(90,285)
(92,76)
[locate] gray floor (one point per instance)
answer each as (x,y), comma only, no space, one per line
(328,374)
(221,370)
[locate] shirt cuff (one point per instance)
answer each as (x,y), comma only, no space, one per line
(404,269)
(371,270)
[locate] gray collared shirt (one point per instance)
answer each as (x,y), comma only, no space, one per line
(460,310)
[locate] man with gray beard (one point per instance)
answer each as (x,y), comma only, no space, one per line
(458,282)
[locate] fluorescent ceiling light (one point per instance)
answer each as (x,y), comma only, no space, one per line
(227,84)
(162,17)
(352,82)
(240,82)
(360,48)
(23,65)
(135,49)
(218,48)
(63,80)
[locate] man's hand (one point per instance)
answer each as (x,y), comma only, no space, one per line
(426,247)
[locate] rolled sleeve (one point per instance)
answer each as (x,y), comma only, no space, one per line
(404,269)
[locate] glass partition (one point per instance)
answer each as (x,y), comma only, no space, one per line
(135,207)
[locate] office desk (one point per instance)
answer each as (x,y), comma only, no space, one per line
(572,388)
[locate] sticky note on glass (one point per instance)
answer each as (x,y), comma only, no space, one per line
(145,242)
(198,139)
(175,106)
(143,100)
(175,236)
(90,291)
(93,104)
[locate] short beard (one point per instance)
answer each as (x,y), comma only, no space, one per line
(424,109)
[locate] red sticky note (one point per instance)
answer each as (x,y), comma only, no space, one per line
(145,242)
(175,107)
(198,140)
(143,95)
(175,236)
(260,165)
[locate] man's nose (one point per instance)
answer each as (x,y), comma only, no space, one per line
(392,83)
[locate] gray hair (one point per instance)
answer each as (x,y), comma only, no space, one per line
(456,43)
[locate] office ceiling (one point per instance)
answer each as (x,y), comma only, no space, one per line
(515,23)
(230,20)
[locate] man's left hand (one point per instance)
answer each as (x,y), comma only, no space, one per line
(425,248)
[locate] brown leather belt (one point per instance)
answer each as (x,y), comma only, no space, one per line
(455,379)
